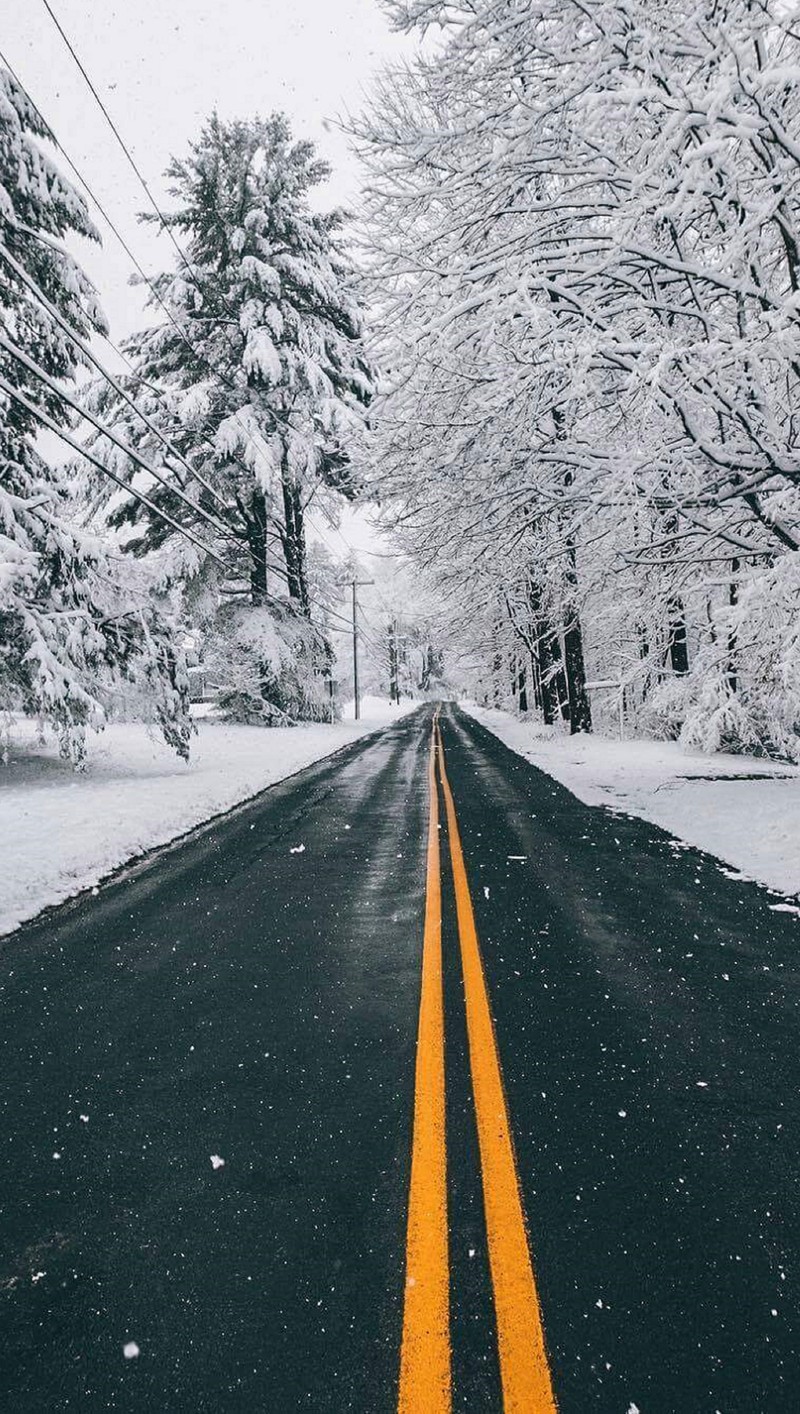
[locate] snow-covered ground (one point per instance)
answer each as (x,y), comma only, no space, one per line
(713,802)
(63,831)
(377,709)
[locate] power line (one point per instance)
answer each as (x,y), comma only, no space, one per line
(55,314)
(165,224)
(348,627)
(60,392)
(112,436)
(378,554)
(355,554)
(325,539)
(197,353)
(374,644)
(378,646)
(398,614)
(134,373)
(97,202)
(334,527)
(376,628)
(147,279)
(50,423)
(117,134)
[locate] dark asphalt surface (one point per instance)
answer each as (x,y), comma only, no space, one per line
(234,998)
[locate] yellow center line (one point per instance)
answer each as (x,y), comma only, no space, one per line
(425,1352)
(524,1369)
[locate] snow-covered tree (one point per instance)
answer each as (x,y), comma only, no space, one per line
(584,223)
(408,641)
(78,623)
(255,368)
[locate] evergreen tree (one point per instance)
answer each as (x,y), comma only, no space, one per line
(77,624)
(261,382)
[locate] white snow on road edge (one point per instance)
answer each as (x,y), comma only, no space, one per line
(707,801)
(63,832)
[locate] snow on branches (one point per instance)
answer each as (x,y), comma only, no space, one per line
(78,625)
(256,370)
(584,224)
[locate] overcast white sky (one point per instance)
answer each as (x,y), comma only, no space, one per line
(161,66)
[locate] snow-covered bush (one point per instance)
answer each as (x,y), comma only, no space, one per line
(268,666)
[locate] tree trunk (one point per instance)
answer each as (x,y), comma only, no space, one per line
(562,690)
(644,654)
(580,710)
(294,541)
(547,653)
(497,668)
(394,682)
(523,686)
(678,643)
(257,542)
(733,599)
(536,679)
(551,673)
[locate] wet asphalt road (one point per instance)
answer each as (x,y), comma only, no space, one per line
(244,998)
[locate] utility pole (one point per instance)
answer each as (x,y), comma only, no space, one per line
(356,585)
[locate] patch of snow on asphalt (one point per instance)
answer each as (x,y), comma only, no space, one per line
(711,802)
(63,831)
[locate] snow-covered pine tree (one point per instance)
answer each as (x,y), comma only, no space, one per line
(256,369)
(77,621)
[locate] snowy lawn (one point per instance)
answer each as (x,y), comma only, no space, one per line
(63,831)
(709,801)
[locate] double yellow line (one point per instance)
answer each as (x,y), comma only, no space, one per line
(425,1361)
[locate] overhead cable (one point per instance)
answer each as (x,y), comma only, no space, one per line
(53,426)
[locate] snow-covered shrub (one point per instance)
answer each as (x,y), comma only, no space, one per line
(268,666)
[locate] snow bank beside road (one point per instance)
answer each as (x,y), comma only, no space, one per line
(712,802)
(62,832)
(378,709)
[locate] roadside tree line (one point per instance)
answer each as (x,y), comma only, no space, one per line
(583,234)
